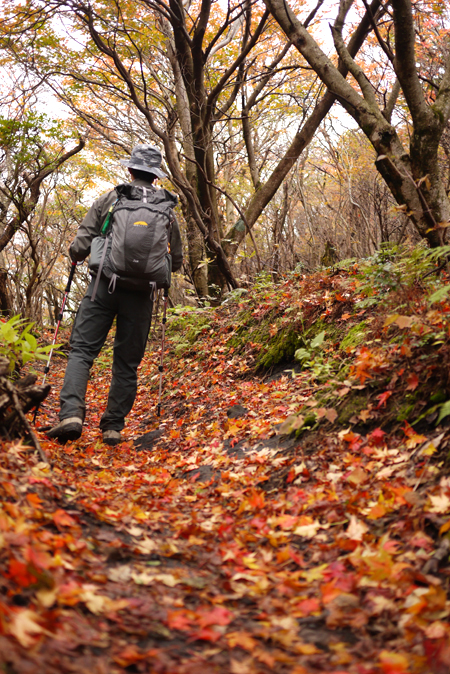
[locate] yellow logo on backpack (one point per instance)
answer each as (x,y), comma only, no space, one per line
(141,223)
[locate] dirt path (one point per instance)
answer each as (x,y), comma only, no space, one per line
(209,542)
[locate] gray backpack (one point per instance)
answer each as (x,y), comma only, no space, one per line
(134,251)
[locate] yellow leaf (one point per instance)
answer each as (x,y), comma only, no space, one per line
(429,450)
(439,503)
(307,649)
(314,574)
(241,667)
(146,546)
(391,319)
(241,640)
(356,529)
(47,597)
(24,627)
(397,662)
(404,321)
(145,578)
(381,604)
(307,530)
(135,531)
(94,602)
(120,574)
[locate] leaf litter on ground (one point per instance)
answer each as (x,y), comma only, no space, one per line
(243,542)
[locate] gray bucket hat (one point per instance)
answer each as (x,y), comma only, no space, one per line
(145,158)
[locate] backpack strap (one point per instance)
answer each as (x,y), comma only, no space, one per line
(103,232)
(109,215)
(99,273)
(112,284)
(169,234)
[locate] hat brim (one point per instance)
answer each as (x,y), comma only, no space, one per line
(143,167)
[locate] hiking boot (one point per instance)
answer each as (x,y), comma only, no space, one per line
(111,438)
(67,429)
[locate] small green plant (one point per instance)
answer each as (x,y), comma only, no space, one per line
(306,355)
(393,267)
(440,294)
(186,324)
(19,345)
(236,295)
(263,280)
(104,359)
(312,359)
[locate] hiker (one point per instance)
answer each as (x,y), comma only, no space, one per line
(106,298)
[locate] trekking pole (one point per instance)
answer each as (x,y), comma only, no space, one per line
(158,299)
(161,368)
(66,293)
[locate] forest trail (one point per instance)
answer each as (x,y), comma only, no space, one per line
(212,540)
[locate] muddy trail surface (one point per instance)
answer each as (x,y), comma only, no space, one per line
(217,539)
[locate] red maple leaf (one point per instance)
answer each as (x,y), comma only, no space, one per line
(383,398)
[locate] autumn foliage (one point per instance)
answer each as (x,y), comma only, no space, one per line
(288,519)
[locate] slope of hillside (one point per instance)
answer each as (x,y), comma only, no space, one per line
(289,512)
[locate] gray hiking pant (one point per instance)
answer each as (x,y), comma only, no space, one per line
(92,324)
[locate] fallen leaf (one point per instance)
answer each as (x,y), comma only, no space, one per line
(356,529)
(413,382)
(146,578)
(25,628)
(439,503)
(394,663)
(307,530)
(437,630)
(358,476)
(63,519)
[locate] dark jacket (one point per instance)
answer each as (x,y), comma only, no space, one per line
(95,217)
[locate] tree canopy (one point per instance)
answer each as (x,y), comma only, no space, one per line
(239,97)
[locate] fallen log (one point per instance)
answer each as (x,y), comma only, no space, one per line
(16,399)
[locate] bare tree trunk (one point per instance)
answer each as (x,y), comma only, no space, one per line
(413,177)
(5,297)
(265,192)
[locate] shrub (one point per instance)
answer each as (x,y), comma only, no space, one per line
(19,345)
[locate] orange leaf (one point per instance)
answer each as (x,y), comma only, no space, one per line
(178,620)
(376,512)
(394,663)
(308,606)
(130,655)
(34,500)
(357,476)
(413,382)
(241,640)
(10,489)
(38,558)
(445,527)
(63,519)
(383,398)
